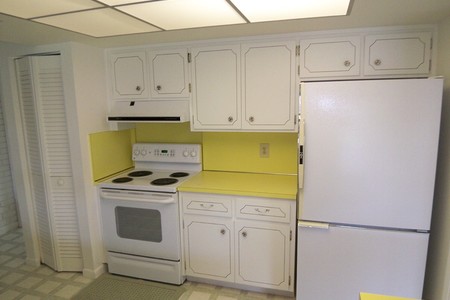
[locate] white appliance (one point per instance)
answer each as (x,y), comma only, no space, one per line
(140,212)
(370,150)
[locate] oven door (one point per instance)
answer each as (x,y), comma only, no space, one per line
(141,223)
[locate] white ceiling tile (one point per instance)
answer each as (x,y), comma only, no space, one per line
(38,8)
(177,14)
(98,23)
(272,10)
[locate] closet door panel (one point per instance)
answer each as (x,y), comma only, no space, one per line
(49,158)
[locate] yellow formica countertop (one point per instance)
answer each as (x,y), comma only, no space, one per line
(244,184)
(367,296)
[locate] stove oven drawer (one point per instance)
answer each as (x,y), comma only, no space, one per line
(206,204)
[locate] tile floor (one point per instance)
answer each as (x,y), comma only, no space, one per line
(21,281)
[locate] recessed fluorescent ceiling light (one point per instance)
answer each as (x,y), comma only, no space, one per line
(273,10)
(101,18)
(36,8)
(177,14)
(119,2)
(98,23)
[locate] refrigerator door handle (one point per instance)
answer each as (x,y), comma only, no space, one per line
(313,225)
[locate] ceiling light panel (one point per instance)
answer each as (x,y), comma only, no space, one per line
(273,10)
(119,2)
(178,14)
(37,8)
(98,23)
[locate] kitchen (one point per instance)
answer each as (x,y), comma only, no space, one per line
(78,54)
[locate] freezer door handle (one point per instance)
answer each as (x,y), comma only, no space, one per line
(313,225)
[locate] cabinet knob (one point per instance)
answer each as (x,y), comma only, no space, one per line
(158,87)
(377,62)
(138,88)
(347,63)
(244,233)
(230,119)
(251,119)
(222,231)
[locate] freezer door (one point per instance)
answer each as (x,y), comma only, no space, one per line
(370,150)
(340,262)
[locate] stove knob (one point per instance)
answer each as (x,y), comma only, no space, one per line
(193,153)
(136,152)
(143,152)
(185,153)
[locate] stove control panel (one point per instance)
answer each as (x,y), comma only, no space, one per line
(181,153)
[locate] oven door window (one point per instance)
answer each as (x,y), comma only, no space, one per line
(138,224)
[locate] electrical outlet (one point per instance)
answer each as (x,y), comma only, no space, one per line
(264,150)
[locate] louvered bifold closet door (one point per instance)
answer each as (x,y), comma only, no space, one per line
(49,161)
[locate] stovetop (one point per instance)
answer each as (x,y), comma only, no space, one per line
(158,167)
(148,180)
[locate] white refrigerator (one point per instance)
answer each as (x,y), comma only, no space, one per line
(369,160)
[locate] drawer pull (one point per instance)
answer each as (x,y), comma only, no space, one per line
(207,206)
(244,234)
(222,231)
(265,211)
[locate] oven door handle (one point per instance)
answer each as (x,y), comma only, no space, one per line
(136,196)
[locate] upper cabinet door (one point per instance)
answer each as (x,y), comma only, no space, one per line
(129,75)
(393,54)
(169,74)
(269,86)
(216,88)
(330,57)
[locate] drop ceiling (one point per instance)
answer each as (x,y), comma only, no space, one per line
(102,18)
(24,27)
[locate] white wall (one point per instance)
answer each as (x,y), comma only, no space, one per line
(8,214)
(437,282)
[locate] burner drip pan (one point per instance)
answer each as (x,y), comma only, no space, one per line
(179,174)
(164,181)
(140,173)
(122,180)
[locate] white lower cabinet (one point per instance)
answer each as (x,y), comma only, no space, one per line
(247,241)
(262,254)
(209,247)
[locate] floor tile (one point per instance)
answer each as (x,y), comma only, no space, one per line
(68,291)
(29,282)
(48,286)
(9,295)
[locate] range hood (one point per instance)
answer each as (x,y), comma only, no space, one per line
(168,111)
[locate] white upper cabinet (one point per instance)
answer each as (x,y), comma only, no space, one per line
(129,75)
(251,87)
(269,86)
(216,88)
(392,54)
(330,57)
(169,76)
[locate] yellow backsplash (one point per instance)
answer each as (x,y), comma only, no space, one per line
(240,152)
(111,152)
(222,151)
(179,133)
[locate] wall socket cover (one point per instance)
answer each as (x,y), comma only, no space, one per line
(264,150)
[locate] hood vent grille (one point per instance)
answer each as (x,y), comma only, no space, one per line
(168,111)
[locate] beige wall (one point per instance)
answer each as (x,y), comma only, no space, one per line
(437,282)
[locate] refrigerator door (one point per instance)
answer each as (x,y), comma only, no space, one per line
(340,262)
(370,151)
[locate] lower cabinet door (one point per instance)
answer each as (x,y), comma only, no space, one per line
(209,247)
(262,250)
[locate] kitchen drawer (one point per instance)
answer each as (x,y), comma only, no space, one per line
(206,204)
(263,209)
